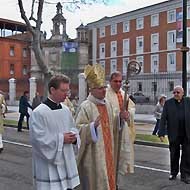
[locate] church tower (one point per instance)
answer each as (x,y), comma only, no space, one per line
(59,24)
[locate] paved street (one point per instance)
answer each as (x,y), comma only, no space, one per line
(15,163)
(151,171)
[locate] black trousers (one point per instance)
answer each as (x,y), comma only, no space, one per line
(21,118)
(184,165)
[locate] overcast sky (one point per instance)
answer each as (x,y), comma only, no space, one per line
(9,10)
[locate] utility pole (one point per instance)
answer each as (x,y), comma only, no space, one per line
(184,48)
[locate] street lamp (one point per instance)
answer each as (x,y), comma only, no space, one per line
(184,48)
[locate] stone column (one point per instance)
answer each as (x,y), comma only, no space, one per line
(94,45)
(82,88)
(33,87)
(12,91)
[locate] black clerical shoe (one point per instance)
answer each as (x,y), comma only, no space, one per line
(1,149)
(19,130)
(172,177)
(185,180)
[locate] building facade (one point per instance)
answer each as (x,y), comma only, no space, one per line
(152,36)
(14,56)
(62,54)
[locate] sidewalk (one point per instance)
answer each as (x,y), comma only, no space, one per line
(144,122)
(144,118)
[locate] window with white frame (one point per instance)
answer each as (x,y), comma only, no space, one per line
(126,26)
(125,63)
(139,44)
(140,60)
(188,12)
(113,49)
(139,23)
(139,86)
(113,29)
(155,20)
(102,63)
(171,39)
(12,51)
(171,61)
(171,16)
(188,37)
(113,65)
(126,47)
(12,69)
(24,52)
(24,70)
(102,50)
(102,32)
(171,85)
(154,87)
(154,63)
(154,42)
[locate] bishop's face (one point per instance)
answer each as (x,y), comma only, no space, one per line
(116,83)
(59,95)
(99,93)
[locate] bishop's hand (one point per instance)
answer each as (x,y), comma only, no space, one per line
(124,115)
(97,122)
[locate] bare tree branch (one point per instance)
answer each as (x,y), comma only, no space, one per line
(82,2)
(23,15)
(39,14)
(32,12)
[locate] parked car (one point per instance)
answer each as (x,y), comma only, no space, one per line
(139,97)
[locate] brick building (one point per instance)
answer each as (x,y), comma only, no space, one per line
(17,59)
(151,35)
(14,55)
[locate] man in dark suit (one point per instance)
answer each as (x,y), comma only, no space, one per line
(23,109)
(176,116)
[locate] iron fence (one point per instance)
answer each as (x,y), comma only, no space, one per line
(151,86)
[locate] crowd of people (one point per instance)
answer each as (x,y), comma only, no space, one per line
(93,131)
(86,146)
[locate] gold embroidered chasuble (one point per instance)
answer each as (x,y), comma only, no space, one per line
(126,163)
(96,159)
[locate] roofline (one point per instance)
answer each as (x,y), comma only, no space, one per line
(12,22)
(130,12)
(8,38)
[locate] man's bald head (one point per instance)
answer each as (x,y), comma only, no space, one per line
(178,92)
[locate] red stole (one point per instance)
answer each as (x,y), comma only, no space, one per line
(107,145)
(120,99)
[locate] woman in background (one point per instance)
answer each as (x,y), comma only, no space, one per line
(158,112)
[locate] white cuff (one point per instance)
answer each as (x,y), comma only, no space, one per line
(94,132)
(76,132)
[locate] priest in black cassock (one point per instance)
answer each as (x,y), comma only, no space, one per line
(176,116)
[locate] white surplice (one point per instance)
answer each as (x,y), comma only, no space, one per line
(54,164)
